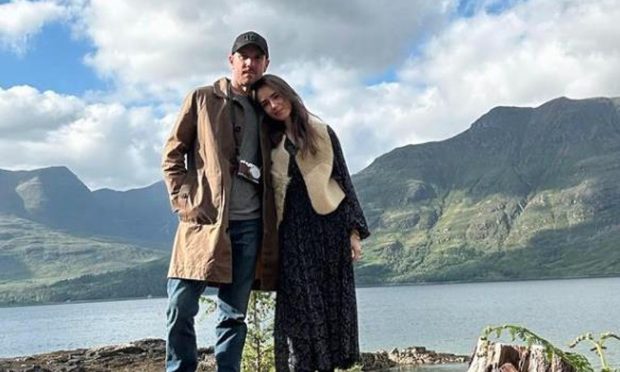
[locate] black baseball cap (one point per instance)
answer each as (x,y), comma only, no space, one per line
(253,38)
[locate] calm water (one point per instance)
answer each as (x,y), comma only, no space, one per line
(445,318)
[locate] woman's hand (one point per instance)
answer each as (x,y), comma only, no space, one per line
(356,246)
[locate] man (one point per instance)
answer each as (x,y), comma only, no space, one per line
(214,164)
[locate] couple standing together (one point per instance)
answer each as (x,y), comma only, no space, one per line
(265,201)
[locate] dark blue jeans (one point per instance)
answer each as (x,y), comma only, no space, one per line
(232,303)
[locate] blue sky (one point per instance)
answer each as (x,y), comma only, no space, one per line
(54,57)
(470,8)
(84,83)
(52,60)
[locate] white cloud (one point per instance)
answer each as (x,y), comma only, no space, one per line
(159,49)
(447,71)
(369,120)
(524,56)
(25,113)
(106,145)
(535,52)
(20,20)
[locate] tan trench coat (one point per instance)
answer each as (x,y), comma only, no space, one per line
(199,190)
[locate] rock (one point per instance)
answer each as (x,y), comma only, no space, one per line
(376,361)
(117,350)
(415,355)
(148,356)
(143,355)
(391,251)
(37,369)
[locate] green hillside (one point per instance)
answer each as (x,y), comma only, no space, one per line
(524,193)
(142,280)
(35,259)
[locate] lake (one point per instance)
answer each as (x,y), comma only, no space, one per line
(441,317)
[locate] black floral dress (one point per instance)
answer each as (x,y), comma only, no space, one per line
(316,315)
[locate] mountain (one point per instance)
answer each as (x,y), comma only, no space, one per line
(141,214)
(51,196)
(59,241)
(39,264)
(55,197)
(523,193)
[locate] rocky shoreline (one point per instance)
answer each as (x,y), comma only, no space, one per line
(148,355)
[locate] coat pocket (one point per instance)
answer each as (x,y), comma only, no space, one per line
(195,202)
(180,200)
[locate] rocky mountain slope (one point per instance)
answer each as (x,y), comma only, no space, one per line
(56,198)
(523,193)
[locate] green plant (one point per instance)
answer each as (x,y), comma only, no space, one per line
(258,351)
(355,368)
(599,347)
(209,304)
(577,361)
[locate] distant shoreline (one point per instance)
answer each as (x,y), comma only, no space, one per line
(211,290)
(410,284)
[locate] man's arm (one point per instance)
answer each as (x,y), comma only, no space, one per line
(179,143)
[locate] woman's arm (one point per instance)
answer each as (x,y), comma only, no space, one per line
(353,210)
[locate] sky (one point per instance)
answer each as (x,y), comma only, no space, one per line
(96,85)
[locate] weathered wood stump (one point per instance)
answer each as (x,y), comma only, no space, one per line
(499,357)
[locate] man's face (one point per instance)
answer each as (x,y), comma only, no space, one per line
(248,64)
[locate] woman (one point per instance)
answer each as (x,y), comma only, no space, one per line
(321,224)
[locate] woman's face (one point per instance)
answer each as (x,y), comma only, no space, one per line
(274,104)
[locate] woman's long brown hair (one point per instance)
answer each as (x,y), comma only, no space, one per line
(304,134)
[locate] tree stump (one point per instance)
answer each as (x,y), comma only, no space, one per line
(499,357)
